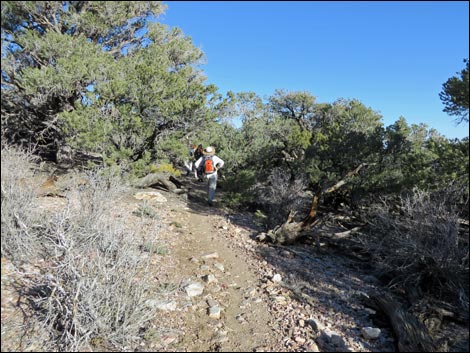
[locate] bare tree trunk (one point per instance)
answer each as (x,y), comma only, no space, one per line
(290,231)
(411,334)
(161,180)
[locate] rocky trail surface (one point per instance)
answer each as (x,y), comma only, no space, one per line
(237,294)
(222,290)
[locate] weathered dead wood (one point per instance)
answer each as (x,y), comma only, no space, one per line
(161,180)
(291,231)
(411,334)
(346,234)
(175,181)
(464,222)
(428,307)
(323,191)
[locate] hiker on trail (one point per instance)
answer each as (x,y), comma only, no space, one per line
(209,164)
(189,164)
(198,153)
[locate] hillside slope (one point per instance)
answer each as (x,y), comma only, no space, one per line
(218,289)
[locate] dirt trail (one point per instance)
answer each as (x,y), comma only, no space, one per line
(270,298)
(242,314)
(202,254)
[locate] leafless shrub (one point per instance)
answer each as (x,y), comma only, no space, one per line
(91,290)
(96,289)
(19,209)
(418,241)
(96,286)
(280,195)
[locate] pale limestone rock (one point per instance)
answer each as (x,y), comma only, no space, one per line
(194,289)
(370,333)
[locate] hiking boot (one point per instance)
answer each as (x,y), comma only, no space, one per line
(211,203)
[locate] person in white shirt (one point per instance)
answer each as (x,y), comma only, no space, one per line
(209,163)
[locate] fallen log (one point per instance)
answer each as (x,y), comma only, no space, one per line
(175,181)
(411,334)
(291,231)
(163,181)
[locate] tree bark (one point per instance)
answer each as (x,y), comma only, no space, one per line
(290,231)
(411,334)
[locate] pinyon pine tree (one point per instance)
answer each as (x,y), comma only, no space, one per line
(98,76)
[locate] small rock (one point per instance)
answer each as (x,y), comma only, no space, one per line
(166,306)
(212,302)
(214,312)
(251,292)
(286,253)
(370,333)
(240,318)
(312,347)
(261,236)
(150,195)
(204,268)
(316,325)
(209,278)
(337,340)
(276,278)
(219,266)
(169,339)
(280,300)
(212,255)
(194,289)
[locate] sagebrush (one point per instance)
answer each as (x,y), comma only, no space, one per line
(91,289)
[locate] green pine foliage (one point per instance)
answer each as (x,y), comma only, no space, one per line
(86,80)
(455,96)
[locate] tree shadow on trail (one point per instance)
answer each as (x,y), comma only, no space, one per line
(330,287)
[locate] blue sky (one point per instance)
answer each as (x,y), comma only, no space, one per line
(393,56)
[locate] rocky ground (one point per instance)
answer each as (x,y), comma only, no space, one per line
(237,294)
(226,291)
